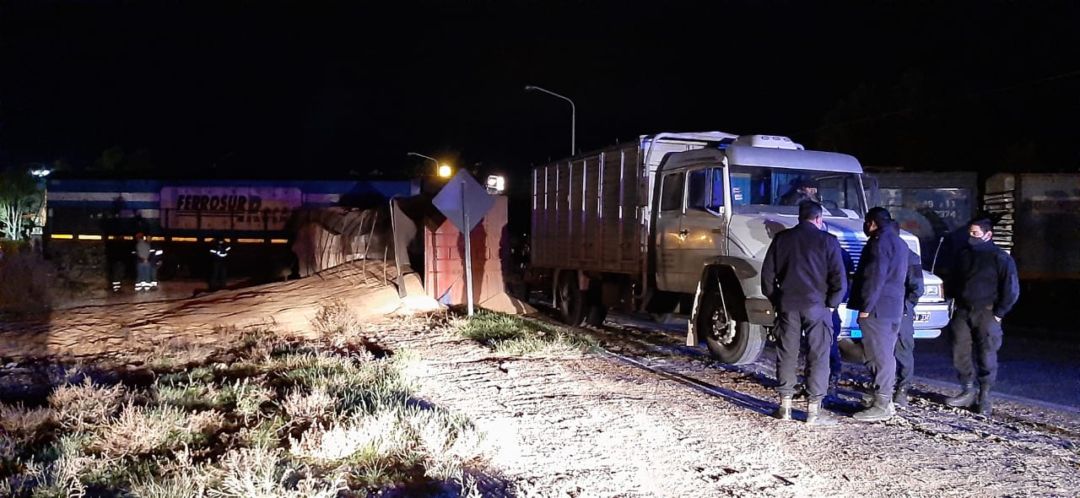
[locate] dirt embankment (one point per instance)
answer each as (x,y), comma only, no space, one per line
(130,327)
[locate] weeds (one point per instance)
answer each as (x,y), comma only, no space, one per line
(336,319)
(82,406)
(142,430)
(512,335)
(24,423)
(282,418)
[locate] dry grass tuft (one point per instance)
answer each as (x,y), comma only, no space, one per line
(140,430)
(22,422)
(363,437)
(81,407)
(266,473)
(336,319)
(311,407)
(513,335)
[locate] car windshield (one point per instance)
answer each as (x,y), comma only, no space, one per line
(756,189)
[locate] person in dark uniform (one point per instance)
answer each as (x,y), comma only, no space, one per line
(877,293)
(984,286)
(803,276)
(904,352)
(115,252)
(218,254)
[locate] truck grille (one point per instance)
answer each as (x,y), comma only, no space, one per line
(852,247)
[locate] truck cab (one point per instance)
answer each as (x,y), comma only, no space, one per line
(714,213)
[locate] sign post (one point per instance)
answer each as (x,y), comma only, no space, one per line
(464,202)
(468,252)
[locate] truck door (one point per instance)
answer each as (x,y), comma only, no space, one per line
(703,226)
(668,229)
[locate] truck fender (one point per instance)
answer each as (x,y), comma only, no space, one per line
(755,310)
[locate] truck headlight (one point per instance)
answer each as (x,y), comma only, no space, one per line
(932,292)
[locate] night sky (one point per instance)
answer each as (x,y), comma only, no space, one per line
(301,90)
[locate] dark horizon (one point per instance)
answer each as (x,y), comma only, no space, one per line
(301,90)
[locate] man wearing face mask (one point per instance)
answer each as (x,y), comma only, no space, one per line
(984,286)
(803,277)
(877,292)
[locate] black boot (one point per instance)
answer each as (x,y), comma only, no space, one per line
(965,399)
(783,412)
(986,406)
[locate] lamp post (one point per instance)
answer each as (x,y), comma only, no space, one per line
(441,170)
(573,114)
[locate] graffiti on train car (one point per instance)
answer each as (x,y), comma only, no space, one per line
(229,208)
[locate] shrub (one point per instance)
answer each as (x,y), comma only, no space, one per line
(61,475)
(336,318)
(79,407)
(22,422)
(360,438)
(265,473)
(311,407)
(267,433)
(142,430)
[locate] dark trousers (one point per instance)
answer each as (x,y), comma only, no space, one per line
(836,363)
(145,272)
(817,323)
(975,333)
(879,337)
(217,274)
(904,352)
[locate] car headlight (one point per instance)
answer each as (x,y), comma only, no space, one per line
(932,292)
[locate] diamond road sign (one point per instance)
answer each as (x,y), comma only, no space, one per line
(463,195)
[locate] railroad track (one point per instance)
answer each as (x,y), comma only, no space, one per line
(632,342)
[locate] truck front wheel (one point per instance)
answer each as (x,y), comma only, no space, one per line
(738,345)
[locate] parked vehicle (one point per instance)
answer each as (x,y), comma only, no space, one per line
(683,220)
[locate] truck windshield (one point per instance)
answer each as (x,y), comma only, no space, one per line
(756,189)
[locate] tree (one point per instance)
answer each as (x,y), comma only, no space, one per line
(19,200)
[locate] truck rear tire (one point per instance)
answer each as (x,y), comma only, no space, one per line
(595,310)
(570,300)
(742,348)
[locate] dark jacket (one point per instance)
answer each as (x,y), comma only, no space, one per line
(803,269)
(878,287)
(913,285)
(984,276)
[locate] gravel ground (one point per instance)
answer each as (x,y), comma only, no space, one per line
(653,419)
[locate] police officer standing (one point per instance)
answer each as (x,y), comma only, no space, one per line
(803,276)
(985,286)
(904,352)
(218,252)
(877,292)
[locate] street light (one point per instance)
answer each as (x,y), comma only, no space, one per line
(573,114)
(442,170)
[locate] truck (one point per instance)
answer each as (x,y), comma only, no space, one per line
(933,206)
(682,221)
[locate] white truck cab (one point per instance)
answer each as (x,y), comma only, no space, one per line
(717,212)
